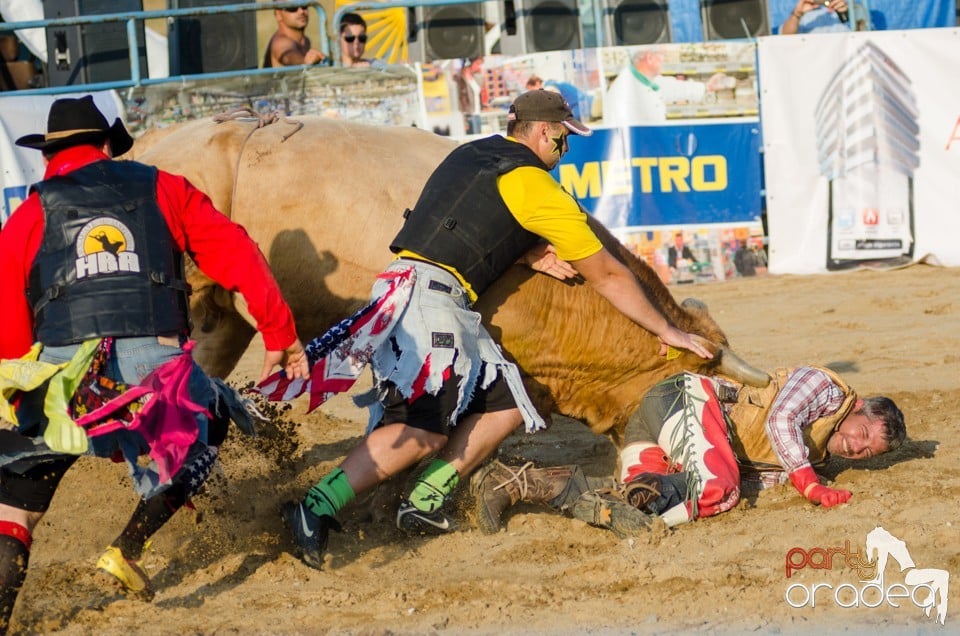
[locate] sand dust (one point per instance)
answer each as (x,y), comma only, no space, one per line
(227,569)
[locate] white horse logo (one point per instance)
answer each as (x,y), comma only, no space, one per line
(881,545)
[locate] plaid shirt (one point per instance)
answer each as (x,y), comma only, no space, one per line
(808,395)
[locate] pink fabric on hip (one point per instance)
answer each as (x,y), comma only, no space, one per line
(168,419)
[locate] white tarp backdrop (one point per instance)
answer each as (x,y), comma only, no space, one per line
(27,11)
(860,133)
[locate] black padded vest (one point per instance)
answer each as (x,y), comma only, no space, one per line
(107,263)
(460,219)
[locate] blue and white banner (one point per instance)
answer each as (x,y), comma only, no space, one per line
(667,175)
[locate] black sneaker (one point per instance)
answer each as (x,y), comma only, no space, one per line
(414,522)
(309,531)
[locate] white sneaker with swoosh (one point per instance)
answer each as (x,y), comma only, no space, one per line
(417,522)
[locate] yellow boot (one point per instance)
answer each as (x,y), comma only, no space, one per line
(129,574)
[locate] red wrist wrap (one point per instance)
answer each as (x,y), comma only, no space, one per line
(804,480)
(18,532)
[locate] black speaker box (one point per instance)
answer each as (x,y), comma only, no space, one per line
(636,22)
(734,19)
(211,43)
(446,32)
(530,26)
(91,53)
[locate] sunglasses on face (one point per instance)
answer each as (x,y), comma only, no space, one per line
(351,38)
(295,9)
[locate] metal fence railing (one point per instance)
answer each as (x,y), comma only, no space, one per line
(135,20)
(134,45)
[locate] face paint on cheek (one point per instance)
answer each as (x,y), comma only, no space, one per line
(559,144)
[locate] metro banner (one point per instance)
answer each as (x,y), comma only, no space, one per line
(691,174)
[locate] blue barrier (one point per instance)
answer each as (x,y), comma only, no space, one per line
(131,19)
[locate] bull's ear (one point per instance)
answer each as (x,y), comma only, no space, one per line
(695,305)
(735,368)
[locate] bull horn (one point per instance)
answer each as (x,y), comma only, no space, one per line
(735,368)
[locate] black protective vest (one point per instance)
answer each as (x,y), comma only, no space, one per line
(461,220)
(107,264)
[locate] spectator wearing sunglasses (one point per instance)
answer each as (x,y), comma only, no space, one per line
(353,43)
(289,45)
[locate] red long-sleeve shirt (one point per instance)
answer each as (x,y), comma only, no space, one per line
(220,248)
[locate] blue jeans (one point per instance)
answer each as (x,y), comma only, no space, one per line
(132,360)
(474,124)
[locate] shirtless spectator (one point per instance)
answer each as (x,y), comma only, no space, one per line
(289,45)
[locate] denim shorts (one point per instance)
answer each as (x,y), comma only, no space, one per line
(132,360)
(437,337)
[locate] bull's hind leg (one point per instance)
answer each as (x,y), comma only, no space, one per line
(221,332)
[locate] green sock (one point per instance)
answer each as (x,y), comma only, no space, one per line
(436,482)
(330,494)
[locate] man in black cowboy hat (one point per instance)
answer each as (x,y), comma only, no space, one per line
(91,270)
(76,122)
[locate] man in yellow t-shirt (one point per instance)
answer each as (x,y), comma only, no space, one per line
(442,384)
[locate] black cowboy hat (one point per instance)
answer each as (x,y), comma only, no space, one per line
(73,122)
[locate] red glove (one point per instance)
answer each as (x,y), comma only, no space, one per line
(805,480)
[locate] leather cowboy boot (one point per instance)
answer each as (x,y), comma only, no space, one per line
(605,509)
(563,488)
(497,487)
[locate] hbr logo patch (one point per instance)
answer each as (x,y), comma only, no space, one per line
(105,246)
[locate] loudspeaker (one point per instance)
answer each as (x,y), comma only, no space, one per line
(540,25)
(734,19)
(445,32)
(211,43)
(636,22)
(91,53)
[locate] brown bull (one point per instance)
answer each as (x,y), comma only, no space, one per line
(324,205)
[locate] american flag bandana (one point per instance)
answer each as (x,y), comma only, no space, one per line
(338,357)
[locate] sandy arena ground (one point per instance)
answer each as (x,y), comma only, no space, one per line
(227,569)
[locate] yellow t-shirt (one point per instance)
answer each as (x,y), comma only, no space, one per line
(542,207)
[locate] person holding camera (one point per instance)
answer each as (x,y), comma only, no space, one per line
(817,16)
